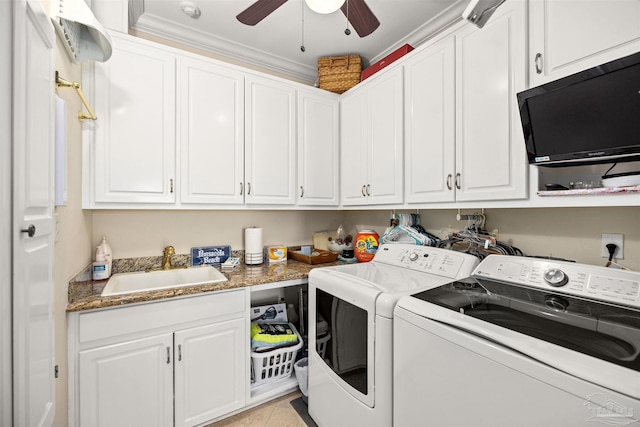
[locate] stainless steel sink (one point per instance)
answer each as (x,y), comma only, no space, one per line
(140,281)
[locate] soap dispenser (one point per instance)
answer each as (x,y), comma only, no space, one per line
(106,250)
(100,267)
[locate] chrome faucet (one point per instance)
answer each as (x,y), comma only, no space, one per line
(166,257)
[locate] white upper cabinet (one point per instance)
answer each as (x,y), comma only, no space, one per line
(210,133)
(490,70)
(133,156)
(371,142)
(463,134)
(568,36)
(430,124)
(318,148)
(270,142)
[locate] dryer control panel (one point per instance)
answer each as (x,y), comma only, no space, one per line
(581,280)
(437,261)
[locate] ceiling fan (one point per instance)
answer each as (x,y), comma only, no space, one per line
(357,12)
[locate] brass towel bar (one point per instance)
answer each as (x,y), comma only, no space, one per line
(65,83)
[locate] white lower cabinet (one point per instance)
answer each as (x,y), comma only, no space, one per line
(180,362)
(209,371)
(127,384)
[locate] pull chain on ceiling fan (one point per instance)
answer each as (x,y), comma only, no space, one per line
(302,48)
(358,14)
(347,31)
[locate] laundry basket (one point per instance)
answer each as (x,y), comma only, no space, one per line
(268,366)
(321,345)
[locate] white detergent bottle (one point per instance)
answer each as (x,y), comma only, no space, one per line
(106,250)
(100,267)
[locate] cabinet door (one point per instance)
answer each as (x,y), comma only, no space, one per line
(353,148)
(270,144)
(568,36)
(128,384)
(490,151)
(134,155)
(211,133)
(430,124)
(385,183)
(210,371)
(318,145)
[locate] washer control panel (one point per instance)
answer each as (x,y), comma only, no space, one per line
(441,262)
(582,280)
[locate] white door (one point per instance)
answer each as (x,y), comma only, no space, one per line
(354,148)
(270,143)
(211,133)
(491,162)
(430,124)
(318,148)
(568,36)
(6,205)
(32,234)
(128,384)
(386,138)
(134,154)
(210,367)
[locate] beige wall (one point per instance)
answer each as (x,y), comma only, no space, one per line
(570,233)
(146,233)
(73,243)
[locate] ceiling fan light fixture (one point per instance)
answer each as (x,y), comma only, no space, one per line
(324,6)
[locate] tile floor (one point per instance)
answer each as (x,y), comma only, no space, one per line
(276,413)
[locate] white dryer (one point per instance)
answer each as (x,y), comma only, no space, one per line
(531,343)
(351,307)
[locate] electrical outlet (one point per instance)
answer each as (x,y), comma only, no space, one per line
(618,240)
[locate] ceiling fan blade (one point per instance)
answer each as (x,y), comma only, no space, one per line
(258,11)
(360,17)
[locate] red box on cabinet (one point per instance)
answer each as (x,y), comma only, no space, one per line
(387,60)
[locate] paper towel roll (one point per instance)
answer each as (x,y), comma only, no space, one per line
(253,245)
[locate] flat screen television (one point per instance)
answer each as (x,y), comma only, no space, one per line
(587,118)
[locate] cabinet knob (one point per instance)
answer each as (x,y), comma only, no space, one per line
(301,191)
(241,189)
(168,355)
(458,181)
(171,185)
(449,181)
(179,352)
(363,193)
(368,186)
(538,62)
(248,188)
(31,230)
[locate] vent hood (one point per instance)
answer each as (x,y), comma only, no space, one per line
(81,33)
(478,12)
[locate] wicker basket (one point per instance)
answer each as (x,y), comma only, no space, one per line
(339,73)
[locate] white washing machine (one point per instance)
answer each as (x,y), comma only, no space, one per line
(531,343)
(351,329)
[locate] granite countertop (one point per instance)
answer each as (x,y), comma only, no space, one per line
(84,293)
